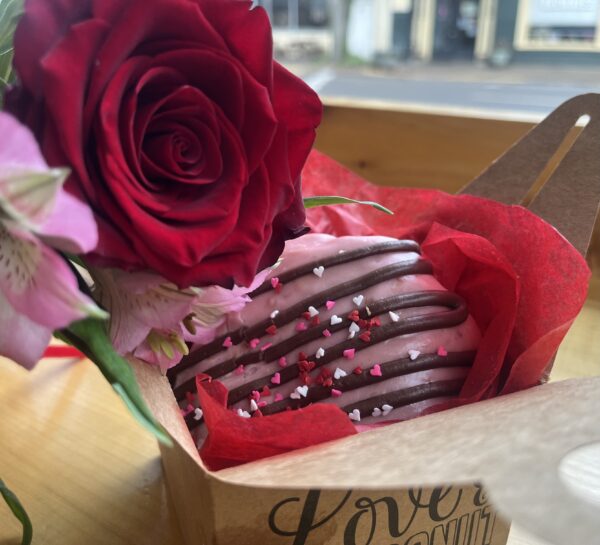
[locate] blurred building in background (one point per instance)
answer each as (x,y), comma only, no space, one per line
(495,31)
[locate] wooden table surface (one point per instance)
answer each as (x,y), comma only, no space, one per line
(89,474)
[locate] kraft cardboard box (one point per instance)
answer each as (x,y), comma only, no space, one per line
(451,478)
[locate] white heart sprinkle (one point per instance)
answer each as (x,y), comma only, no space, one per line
(198,414)
(253,405)
(386,409)
(318,271)
(312,311)
(320,353)
(393,316)
(368,311)
(413,354)
(243,414)
(358,300)
(355,415)
(302,390)
(376,412)
(351,334)
(335,319)
(354,328)
(339,373)
(274,314)
(295,395)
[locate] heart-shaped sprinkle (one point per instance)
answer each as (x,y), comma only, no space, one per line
(315,321)
(274,282)
(393,316)
(253,405)
(354,328)
(255,395)
(295,395)
(266,391)
(354,316)
(368,311)
(358,300)
(386,409)
(349,353)
(301,326)
(312,311)
(355,415)
(339,373)
(358,370)
(335,319)
(441,351)
(243,414)
(376,412)
(318,271)
(198,414)
(262,404)
(326,333)
(227,343)
(278,397)
(365,336)
(375,371)
(320,353)
(276,378)
(329,304)
(239,370)
(274,314)
(336,393)
(414,354)
(302,390)
(271,330)
(282,361)
(253,343)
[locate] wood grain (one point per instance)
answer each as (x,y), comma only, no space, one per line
(88,474)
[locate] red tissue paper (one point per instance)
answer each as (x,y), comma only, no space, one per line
(523,282)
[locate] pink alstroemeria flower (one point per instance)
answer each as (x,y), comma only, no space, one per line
(153,320)
(38,290)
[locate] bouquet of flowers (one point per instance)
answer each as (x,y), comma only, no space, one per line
(149,169)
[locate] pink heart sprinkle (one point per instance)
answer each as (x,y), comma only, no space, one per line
(276,378)
(329,304)
(278,397)
(282,361)
(239,370)
(375,370)
(262,404)
(336,393)
(255,395)
(441,351)
(253,343)
(349,353)
(326,333)
(227,343)
(274,282)
(301,326)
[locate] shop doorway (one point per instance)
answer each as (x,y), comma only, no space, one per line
(455,29)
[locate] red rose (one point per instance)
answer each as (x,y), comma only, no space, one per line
(181,132)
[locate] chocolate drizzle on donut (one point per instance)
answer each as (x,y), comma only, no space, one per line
(455,313)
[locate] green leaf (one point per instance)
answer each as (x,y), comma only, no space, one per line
(19,511)
(10,12)
(90,337)
(323,200)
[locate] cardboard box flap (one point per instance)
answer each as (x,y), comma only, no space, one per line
(570,197)
(512,444)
